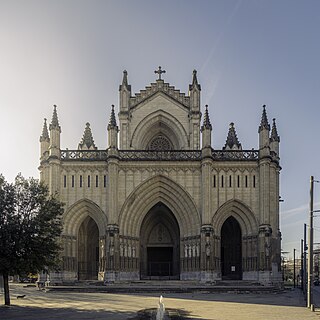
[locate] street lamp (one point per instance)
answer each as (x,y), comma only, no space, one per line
(294,268)
(310,243)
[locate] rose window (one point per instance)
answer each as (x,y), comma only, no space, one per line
(160,143)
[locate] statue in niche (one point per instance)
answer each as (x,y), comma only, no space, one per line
(208,248)
(186,251)
(189,251)
(129,251)
(102,248)
(197,250)
(111,249)
(133,251)
(193,250)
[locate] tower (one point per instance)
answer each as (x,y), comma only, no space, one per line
(124,112)
(195,114)
(54,153)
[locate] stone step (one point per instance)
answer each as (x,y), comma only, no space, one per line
(167,286)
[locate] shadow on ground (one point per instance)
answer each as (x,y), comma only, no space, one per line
(32,313)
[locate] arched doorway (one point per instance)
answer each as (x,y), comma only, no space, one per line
(88,250)
(160,242)
(231,255)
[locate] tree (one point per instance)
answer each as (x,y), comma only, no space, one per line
(30,226)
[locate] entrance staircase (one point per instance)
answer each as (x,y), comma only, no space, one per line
(166,286)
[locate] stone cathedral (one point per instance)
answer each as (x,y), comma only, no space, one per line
(159,202)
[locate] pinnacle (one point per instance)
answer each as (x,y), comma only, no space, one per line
(274,132)
(54,121)
(45,134)
(264,120)
(232,139)
(195,83)
(206,120)
(112,122)
(125,81)
(87,142)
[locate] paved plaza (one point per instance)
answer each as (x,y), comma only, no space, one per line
(40,305)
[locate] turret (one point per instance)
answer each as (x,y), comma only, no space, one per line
(44,141)
(55,131)
(206,129)
(87,142)
(264,133)
(232,142)
(274,139)
(194,93)
(113,130)
(125,93)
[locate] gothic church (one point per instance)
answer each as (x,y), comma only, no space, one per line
(160,202)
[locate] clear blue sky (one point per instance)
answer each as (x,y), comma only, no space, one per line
(247,53)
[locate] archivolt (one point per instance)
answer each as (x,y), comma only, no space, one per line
(159,122)
(240,212)
(149,193)
(75,215)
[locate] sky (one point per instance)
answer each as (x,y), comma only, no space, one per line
(247,53)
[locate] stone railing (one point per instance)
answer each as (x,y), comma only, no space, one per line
(235,155)
(84,155)
(154,155)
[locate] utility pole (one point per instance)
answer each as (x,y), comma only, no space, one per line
(302,266)
(305,262)
(310,251)
(294,268)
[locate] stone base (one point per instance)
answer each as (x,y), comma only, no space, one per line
(209,276)
(111,276)
(250,276)
(190,275)
(129,276)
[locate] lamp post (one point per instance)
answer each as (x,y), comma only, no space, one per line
(310,245)
(310,251)
(305,261)
(302,266)
(294,268)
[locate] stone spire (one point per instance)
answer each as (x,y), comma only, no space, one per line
(264,120)
(54,121)
(113,121)
(195,83)
(206,129)
(113,131)
(232,142)
(44,141)
(45,134)
(206,120)
(87,142)
(274,132)
(124,84)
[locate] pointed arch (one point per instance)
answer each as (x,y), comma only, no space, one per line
(151,192)
(238,210)
(159,122)
(79,211)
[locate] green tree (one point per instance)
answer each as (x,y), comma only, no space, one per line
(30,226)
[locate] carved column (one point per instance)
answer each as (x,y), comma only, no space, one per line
(207,253)
(265,247)
(112,253)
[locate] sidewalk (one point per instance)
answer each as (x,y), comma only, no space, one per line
(41,305)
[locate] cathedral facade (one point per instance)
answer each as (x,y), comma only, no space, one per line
(159,202)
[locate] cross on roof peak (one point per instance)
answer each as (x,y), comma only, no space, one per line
(159,72)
